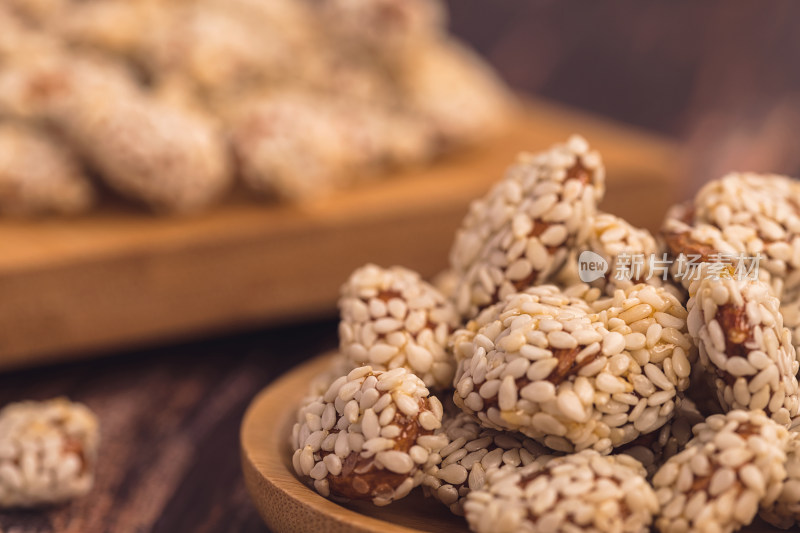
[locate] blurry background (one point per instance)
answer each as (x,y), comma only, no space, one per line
(720,76)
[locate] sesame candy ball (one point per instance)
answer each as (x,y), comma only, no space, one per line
(38,175)
(48,451)
(684,236)
(391,318)
(744,214)
(522,231)
(385,27)
(584,492)
(767,205)
(545,365)
(163,155)
(689,247)
(734,462)
(438,79)
(627,249)
(300,144)
(785,511)
(463,342)
(368,436)
(745,350)
(653,449)
(472,451)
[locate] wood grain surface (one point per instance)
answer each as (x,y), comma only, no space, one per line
(120,278)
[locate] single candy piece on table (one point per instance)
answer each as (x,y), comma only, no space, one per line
(734,463)
(579,492)
(471,452)
(48,452)
(523,230)
(391,318)
(368,437)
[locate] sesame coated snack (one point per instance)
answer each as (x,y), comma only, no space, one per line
(571,375)
(391,318)
(48,452)
(765,210)
(522,231)
(369,436)
(38,175)
(331,141)
(627,250)
(653,449)
(473,450)
(785,511)
(744,215)
(169,158)
(580,492)
(386,26)
(734,463)
(428,76)
(747,354)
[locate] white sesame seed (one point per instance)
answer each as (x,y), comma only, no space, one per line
(561,340)
(395,461)
(429,421)
(454,474)
(613,343)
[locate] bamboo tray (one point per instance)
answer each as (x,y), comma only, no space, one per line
(289,506)
(120,278)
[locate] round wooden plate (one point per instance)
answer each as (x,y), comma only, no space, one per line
(286,504)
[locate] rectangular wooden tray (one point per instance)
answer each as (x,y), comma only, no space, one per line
(119,278)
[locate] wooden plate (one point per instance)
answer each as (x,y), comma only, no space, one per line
(287,505)
(119,278)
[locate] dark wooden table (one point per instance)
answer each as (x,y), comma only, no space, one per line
(169,459)
(721,75)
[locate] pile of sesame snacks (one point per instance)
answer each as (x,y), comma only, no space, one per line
(528,392)
(172,104)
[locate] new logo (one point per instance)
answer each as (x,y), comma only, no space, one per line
(591,266)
